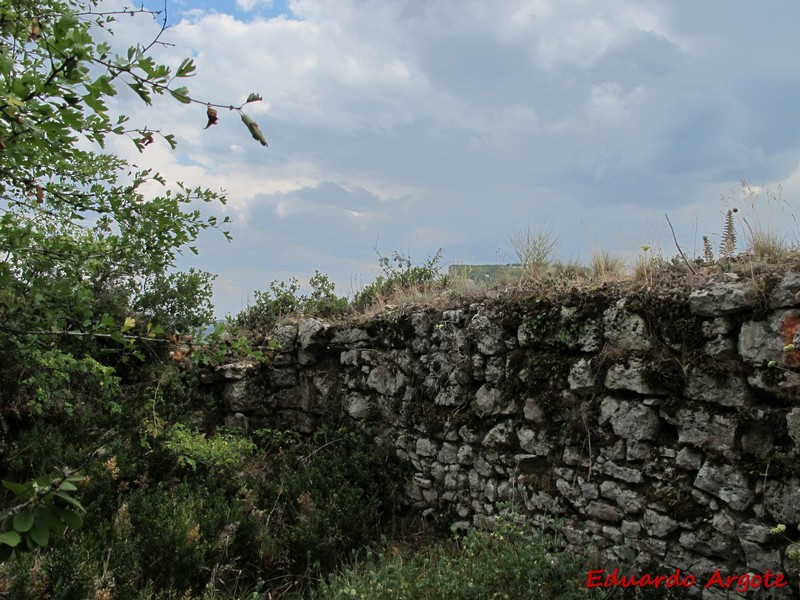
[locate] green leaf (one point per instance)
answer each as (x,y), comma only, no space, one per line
(181,95)
(23,521)
(20,489)
(70,499)
(10,538)
(252,126)
(186,68)
(40,533)
(66,486)
(253,98)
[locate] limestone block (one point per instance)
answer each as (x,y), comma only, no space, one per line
(487,401)
(718,299)
(533,411)
(286,336)
(725,482)
(793,425)
(356,405)
(689,459)
(629,420)
(703,430)
(448,454)
(239,370)
(386,381)
(778,382)
(630,376)
(244,395)
(611,469)
(657,524)
(426,447)
(534,442)
(283,378)
(501,434)
(604,511)
(782,501)
(312,334)
(763,341)
(787,292)
(487,335)
(237,423)
(581,379)
(758,439)
(729,390)
(451,395)
(352,337)
(625,330)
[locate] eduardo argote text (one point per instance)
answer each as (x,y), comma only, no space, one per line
(741,583)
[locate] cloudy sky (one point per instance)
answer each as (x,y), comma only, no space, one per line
(450,124)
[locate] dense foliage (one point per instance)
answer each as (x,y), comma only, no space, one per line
(85,275)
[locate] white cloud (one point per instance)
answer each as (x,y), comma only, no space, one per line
(429,124)
(248,5)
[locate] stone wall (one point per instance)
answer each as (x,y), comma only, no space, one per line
(659,427)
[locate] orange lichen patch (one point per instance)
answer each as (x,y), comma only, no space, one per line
(789,327)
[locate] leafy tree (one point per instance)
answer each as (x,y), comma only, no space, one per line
(83,248)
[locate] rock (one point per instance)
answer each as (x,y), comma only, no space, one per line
(312,334)
(630,377)
(283,378)
(488,336)
(689,459)
(448,455)
(793,425)
(534,442)
(761,342)
(658,525)
(385,381)
(726,483)
(486,401)
(356,405)
(726,391)
(703,430)
(604,511)
(426,447)
(243,396)
(778,382)
(782,501)
(758,440)
(718,299)
(787,292)
(237,423)
(533,411)
(236,371)
(622,473)
(629,420)
(581,379)
(625,330)
(351,337)
(501,434)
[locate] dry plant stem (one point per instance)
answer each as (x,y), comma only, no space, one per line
(678,246)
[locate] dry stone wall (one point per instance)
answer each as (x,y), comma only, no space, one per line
(660,428)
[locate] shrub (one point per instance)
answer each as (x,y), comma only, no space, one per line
(513,561)
(534,248)
(284,298)
(399,274)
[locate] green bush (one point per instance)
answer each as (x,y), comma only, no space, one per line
(284,299)
(399,274)
(513,561)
